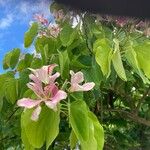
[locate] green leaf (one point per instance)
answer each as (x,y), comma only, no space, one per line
(131,57)
(6,60)
(98,131)
(64,64)
(91,143)
(103,54)
(36,63)
(30,35)
(117,62)
(14,57)
(25,140)
(78,116)
(11,90)
(143,56)
(44,130)
(67,35)
(11,59)
(25,63)
(42,41)
(44,54)
(73,140)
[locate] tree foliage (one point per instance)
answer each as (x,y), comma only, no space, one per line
(112,52)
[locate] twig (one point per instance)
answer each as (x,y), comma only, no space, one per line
(12,114)
(132,116)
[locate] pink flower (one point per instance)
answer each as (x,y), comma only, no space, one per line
(44,74)
(41,19)
(121,21)
(54,29)
(76,79)
(47,93)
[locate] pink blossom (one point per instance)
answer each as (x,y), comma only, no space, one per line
(44,74)
(47,93)
(54,29)
(41,19)
(121,21)
(76,79)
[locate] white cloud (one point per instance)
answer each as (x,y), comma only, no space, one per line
(6,21)
(27,9)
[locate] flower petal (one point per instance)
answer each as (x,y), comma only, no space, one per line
(44,73)
(28,103)
(85,87)
(76,77)
(50,90)
(60,95)
(54,77)
(88,86)
(36,113)
(36,88)
(51,68)
(34,78)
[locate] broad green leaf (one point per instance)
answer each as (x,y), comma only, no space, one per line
(67,35)
(41,42)
(30,35)
(36,63)
(6,60)
(52,127)
(117,62)
(73,140)
(11,90)
(25,63)
(103,54)
(91,143)
(64,64)
(44,130)
(14,57)
(131,57)
(1,103)
(98,131)
(78,115)
(143,56)
(25,140)
(44,54)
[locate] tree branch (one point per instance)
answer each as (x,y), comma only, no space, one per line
(132,116)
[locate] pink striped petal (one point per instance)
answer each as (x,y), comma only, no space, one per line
(51,68)
(36,113)
(44,73)
(54,77)
(85,87)
(37,89)
(51,105)
(28,103)
(60,95)
(76,77)
(50,90)
(34,78)
(88,86)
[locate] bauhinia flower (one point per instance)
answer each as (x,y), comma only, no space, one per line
(76,80)
(41,19)
(54,29)
(46,90)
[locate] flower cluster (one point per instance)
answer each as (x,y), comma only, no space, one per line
(44,86)
(47,29)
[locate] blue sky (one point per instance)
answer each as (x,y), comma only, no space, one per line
(15,16)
